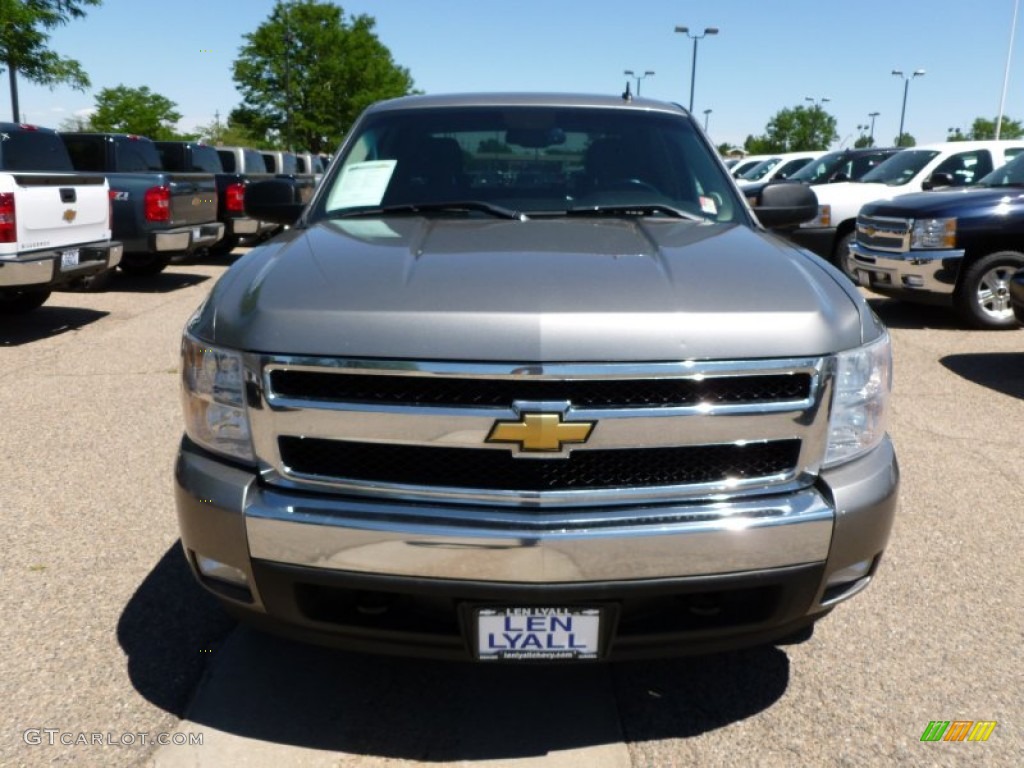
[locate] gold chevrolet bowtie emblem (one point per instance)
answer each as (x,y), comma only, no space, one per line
(69,215)
(540,432)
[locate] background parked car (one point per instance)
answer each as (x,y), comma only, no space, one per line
(958,248)
(1017,295)
(157,214)
(778,167)
(831,168)
(746,164)
(54,223)
(946,164)
(196,157)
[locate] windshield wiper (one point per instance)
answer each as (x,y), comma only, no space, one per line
(445,207)
(633,209)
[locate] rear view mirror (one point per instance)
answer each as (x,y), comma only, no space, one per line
(535,138)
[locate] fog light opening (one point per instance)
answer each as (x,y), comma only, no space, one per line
(704,605)
(373,603)
(214,569)
(848,581)
(913,281)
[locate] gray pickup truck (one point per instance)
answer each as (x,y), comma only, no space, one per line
(527,380)
(157,214)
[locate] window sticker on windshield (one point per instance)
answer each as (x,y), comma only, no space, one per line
(708,205)
(361,184)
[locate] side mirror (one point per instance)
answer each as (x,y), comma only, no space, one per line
(938,180)
(786,205)
(838,178)
(273,200)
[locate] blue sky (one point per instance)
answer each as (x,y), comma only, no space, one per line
(769,54)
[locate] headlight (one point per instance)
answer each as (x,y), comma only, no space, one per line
(860,401)
(213,396)
(933,233)
(823,219)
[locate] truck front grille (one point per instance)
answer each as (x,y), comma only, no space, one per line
(884,234)
(626,393)
(422,431)
(499,470)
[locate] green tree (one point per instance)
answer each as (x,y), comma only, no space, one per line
(905,140)
(230,133)
(863,141)
(307,72)
(24,33)
(982,128)
(795,130)
(135,110)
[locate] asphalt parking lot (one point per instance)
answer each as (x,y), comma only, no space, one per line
(108,641)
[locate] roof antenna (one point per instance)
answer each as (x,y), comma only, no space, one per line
(626,95)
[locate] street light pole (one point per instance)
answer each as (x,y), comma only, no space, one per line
(693,67)
(873,115)
(1006,72)
(638,78)
(706,113)
(817,102)
(906,88)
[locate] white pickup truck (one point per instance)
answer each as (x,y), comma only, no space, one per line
(54,223)
(916,169)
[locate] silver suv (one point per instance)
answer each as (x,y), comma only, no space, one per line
(527,380)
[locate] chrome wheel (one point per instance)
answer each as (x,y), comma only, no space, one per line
(993,293)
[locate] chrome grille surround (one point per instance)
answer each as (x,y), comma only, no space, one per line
(884,233)
(273,416)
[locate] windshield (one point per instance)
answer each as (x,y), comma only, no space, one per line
(761,169)
(820,169)
(33,151)
(533,160)
(1009,175)
(900,168)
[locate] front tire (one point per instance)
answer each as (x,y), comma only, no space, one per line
(982,295)
(840,257)
(17,302)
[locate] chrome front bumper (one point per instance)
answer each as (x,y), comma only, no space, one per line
(421,542)
(227,515)
(908,272)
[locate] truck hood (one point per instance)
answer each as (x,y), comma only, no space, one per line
(941,203)
(542,290)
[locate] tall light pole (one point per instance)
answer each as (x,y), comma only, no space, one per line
(638,78)
(817,102)
(873,115)
(906,87)
(693,67)
(1006,72)
(706,113)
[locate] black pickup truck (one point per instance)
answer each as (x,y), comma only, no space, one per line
(959,248)
(196,157)
(157,214)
